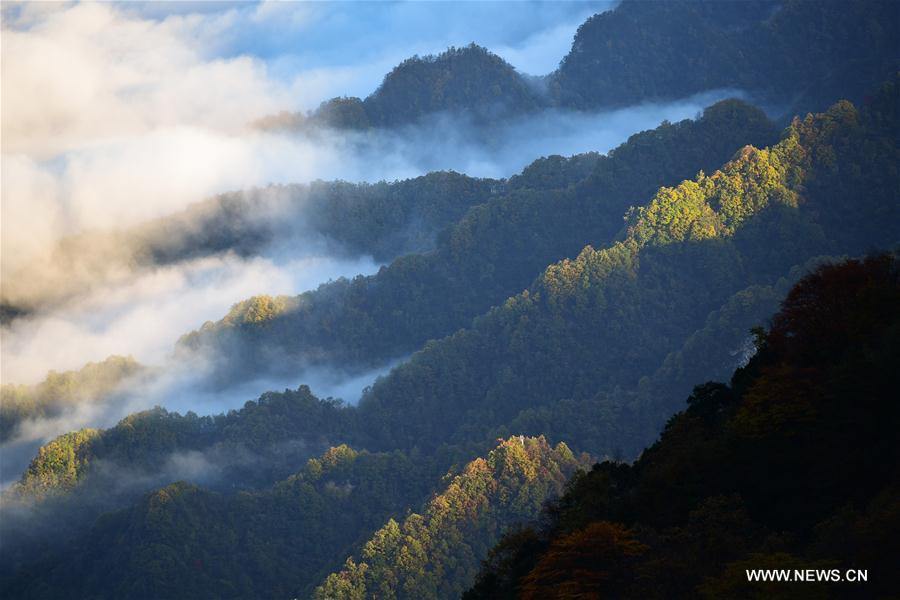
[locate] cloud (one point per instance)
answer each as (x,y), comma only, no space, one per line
(126,180)
(144,315)
(88,73)
(450,142)
(132,180)
(180,384)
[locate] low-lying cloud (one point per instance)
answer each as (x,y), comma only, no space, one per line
(124,181)
(181,384)
(145,315)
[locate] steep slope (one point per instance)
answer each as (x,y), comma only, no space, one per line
(279,431)
(805,53)
(791,467)
(606,319)
(470,80)
(81,475)
(495,251)
(646,50)
(619,421)
(585,328)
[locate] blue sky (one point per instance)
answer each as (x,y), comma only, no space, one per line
(350,46)
(322,34)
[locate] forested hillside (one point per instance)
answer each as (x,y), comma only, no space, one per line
(684,255)
(80,475)
(791,466)
(469,79)
(696,245)
(605,319)
(434,555)
(810,52)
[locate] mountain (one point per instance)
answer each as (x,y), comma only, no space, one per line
(804,53)
(607,318)
(793,54)
(791,466)
(811,395)
(533,324)
(693,250)
(583,352)
(470,80)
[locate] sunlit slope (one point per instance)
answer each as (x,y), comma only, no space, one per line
(435,554)
(560,354)
(548,213)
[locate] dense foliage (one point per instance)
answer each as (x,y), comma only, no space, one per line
(279,431)
(81,475)
(796,55)
(792,466)
(815,50)
(469,79)
(529,308)
(591,352)
(187,542)
(578,355)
